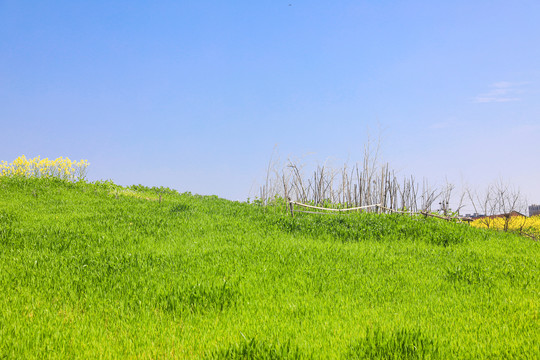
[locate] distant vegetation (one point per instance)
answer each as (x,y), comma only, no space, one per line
(61,168)
(97,270)
(371,182)
(527,226)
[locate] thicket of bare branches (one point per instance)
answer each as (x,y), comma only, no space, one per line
(499,199)
(371,182)
(361,184)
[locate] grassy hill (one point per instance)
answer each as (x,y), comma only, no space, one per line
(99,270)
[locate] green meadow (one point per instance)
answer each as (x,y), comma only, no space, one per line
(96,270)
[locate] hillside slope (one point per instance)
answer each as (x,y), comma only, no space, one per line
(98,270)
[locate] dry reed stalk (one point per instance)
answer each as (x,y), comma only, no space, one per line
(365,183)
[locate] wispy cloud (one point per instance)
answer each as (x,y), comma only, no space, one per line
(502,91)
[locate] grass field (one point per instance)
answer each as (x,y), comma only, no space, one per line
(101,271)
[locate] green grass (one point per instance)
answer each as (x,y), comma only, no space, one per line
(100,271)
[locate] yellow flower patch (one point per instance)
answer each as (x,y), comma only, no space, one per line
(63,168)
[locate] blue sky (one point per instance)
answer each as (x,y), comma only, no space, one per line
(195,95)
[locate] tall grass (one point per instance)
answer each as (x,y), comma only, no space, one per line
(95,270)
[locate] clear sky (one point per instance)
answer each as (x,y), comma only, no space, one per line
(195,95)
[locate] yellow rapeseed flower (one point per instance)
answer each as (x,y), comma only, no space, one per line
(522,224)
(63,168)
